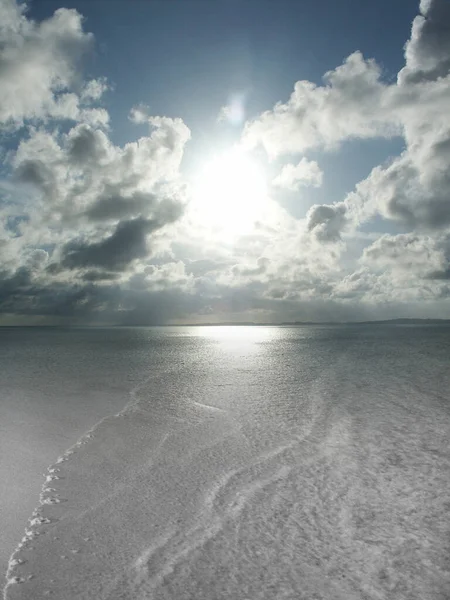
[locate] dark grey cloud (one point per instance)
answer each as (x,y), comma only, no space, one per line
(11,284)
(37,174)
(87,145)
(58,300)
(327,221)
(21,294)
(112,204)
(127,243)
(442,274)
(428,51)
(87,302)
(99,276)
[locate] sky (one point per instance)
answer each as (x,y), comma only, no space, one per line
(193,161)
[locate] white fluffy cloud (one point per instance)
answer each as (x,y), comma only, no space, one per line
(411,255)
(353,103)
(413,188)
(293,177)
(39,67)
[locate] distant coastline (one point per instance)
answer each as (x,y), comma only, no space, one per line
(403,321)
(400,321)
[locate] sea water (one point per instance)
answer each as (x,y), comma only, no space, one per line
(234,462)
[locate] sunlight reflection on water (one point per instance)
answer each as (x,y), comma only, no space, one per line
(236,338)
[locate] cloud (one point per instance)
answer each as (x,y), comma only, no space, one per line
(358,286)
(410,255)
(81,174)
(326,221)
(169,276)
(94,89)
(293,177)
(39,67)
(86,144)
(353,103)
(95,231)
(413,188)
(139,114)
(260,268)
(95,214)
(84,214)
(427,52)
(111,206)
(127,243)
(99,276)
(93,207)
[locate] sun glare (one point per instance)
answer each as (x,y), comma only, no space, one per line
(230,192)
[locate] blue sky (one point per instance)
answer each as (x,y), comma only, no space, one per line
(185,58)
(183,161)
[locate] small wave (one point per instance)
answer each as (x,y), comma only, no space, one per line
(157,562)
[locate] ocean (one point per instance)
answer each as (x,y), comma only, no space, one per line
(305,462)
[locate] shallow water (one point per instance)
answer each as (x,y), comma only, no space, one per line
(306,462)
(54,385)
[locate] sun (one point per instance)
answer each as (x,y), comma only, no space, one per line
(230,192)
